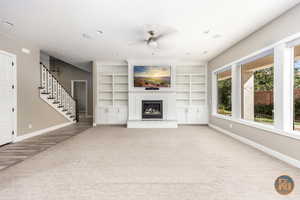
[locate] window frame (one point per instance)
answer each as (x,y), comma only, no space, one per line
(292,45)
(283,89)
(264,54)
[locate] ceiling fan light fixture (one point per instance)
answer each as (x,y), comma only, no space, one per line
(100,32)
(153,44)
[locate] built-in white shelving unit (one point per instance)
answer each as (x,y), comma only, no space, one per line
(188,94)
(112,94)
(191,94)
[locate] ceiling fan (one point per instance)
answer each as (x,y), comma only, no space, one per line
(154,34)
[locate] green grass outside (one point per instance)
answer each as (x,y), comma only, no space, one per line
(263,120)
(224,112)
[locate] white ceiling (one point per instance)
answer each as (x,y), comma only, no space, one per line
(56,26)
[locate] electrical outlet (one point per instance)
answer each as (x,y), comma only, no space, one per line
(29,125)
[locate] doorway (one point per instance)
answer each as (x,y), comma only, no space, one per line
(8,97)
(79,93)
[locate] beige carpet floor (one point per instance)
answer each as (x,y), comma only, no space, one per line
(111,162)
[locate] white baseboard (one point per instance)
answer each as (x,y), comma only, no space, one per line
(40,132)
(271,152)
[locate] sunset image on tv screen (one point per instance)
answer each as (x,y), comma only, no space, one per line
(152,76)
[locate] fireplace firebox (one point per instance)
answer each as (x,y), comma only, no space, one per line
(152,109)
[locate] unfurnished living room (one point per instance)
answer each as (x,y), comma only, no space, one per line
(161,99)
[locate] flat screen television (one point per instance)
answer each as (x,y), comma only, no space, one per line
(152,76)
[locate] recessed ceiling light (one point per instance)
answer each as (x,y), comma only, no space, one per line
(217,36)
(99,32)
(24,50)
(86,36)
(206,31)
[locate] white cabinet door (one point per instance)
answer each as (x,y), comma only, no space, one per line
(112,115)
(198,115)
(121,115)
(6,102)
(182,115)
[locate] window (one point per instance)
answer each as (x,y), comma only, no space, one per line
(224,92)
(257,89)
(297,88)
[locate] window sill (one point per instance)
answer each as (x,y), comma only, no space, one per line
(269,128)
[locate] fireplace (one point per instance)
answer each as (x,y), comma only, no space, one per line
(152,109)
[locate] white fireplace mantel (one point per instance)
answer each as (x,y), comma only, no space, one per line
(137,95)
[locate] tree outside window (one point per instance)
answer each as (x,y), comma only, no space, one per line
(224,92)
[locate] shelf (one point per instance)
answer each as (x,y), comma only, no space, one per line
(200,91)
(190,74)
(113,74)
(198,83)
(121,91)
(118,99)
(198,99)
(105,91)
(182,99)
(121,83)
(105,99)
(106,83)
(183,91)
(183,83)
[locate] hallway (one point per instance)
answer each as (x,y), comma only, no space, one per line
(112,162)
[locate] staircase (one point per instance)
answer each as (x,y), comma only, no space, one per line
(53,93)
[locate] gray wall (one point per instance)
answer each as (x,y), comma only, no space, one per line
(31,109)
(280,28)
(67,73)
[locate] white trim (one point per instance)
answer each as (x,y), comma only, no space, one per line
(271,152)
(286,40)
(86,93)
(269,128)
(236,99)
(40,132)
(283,87)
(214,88)
(257,56)
(293,43)
(15,92)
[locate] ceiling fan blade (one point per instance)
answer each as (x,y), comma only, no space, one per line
(137,42)
(164,35)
